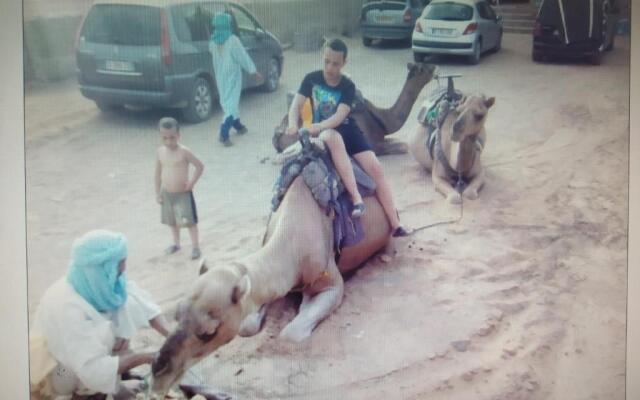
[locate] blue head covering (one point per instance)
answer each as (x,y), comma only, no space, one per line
(93,272)
(222,27)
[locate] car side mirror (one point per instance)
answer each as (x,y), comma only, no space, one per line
(498,18)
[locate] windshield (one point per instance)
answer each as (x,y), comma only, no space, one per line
(448,12)
(122,25)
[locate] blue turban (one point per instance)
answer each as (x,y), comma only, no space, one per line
(93,272)
(222,28)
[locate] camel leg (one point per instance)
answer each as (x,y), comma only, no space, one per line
(471,192)
(252,323)
(315,308)
(446,189)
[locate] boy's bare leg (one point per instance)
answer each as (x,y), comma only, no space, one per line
(175,231)
(371,165)
(341,161)
(193,232)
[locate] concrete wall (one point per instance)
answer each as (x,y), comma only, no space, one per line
(50,28)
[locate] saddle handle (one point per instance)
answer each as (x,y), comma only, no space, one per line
(303,136)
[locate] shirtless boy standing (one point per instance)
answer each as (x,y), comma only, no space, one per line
(173,186)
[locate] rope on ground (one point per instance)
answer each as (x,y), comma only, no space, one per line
(453,221)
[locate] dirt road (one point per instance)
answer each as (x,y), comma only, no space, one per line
(523,299)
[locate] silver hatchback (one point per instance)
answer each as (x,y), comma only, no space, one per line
(460,27)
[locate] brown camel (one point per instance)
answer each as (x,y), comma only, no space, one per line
(230,300)
(376,123)
(457,150)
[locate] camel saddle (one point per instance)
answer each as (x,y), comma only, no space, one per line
(314,164)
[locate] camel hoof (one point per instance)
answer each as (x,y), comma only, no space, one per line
(454,198)
(471,194)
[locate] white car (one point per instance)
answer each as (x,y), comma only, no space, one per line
(459,27)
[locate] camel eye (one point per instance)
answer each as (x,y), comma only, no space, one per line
(478,116)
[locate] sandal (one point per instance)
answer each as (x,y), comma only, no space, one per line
(171,249)
(358,210)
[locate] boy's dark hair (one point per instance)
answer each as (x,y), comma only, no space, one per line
(337,45)
(169,123)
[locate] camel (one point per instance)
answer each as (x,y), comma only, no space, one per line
(230,300)
(376,123)
(457,149)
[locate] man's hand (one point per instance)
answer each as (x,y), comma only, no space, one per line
(315,129)
(291,130)
(258,77)
(188,186)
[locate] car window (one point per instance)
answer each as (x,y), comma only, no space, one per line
(416,4)
(448,11)
(123,25)
(193,21)
(482,10)
(244,23)
(490,11)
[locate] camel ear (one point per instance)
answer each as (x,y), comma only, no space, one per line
(489,102)
(203,266)
(241,289)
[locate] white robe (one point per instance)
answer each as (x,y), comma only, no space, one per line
(81,339)
(228,65)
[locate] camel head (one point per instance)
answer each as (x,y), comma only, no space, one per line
(208,318)
(472,114)
(420,74)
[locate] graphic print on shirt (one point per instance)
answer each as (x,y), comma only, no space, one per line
(325,102)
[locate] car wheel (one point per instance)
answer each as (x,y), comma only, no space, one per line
(109,107)
(419,57)
(499,44)
(475,57)
(200,102)
(366,41)
(273,76)
(610,45)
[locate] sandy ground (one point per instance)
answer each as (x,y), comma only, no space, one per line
(523,299)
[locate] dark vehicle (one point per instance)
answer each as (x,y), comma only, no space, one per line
(389,19)
(156,53)
(575,28)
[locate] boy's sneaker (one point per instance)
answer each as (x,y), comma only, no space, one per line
(226,142)
(242,130)
(195,253)
(171,249)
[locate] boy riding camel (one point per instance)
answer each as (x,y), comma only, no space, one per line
(331,95)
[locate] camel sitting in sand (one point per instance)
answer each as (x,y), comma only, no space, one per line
(455,155)
(374,122)
(230,300)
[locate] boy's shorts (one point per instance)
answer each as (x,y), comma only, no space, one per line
(354,140)
(178,209)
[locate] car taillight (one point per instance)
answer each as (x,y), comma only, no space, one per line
(419,27)
(537,29)
(407,16)
(164,39)
(470,28)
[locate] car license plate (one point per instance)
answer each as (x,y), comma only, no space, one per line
(442,32)
(384,19)
(120,66)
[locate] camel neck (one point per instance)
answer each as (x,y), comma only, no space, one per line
(403,104)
